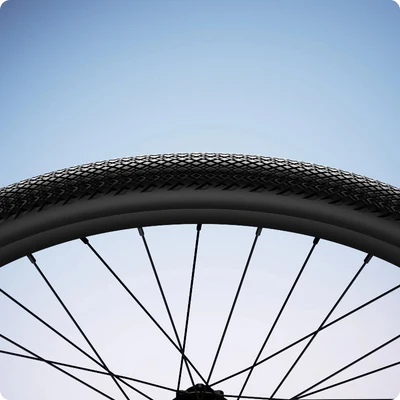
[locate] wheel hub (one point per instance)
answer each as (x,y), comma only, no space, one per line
(201,392)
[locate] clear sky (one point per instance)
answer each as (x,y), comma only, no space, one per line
(89,80)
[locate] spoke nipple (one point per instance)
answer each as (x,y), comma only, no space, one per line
(258,231)
(85,240)
(198,227)
(368,258)
(31,258)
(141,232)
(316,240)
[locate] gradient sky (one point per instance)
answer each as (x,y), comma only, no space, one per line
(86,80)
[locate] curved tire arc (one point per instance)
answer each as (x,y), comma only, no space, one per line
(206,188)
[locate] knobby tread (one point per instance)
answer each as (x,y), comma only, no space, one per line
(200,171)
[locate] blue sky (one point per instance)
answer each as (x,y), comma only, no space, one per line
(88,80)
(312,80)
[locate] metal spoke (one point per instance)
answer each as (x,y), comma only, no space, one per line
(121,377)
(141,233)
(59,334)
(181,346)
(309,335)
(258,233)
(280,398)
(56,367)
(366,261)
(315,242)
(33,261)
(86,241)
(198,228)
(353,379)
(253,397)
(304,392)
(50,327)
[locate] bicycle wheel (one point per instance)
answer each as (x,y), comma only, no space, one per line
(200,189)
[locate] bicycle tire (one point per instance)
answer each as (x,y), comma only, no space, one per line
(207,188)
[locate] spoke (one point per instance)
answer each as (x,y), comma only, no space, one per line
(366,261)
(56,367)
(250,397)
(189,305)
(141,233)
(122,377)
(353,379)
(315,242)
(62,336)
(86,241)
(309,335)
(304,392)
(33,261)
(258,233)
(51,328)
(280,398)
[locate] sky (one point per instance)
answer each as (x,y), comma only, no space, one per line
(89,80)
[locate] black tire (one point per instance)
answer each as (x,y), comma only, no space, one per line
(200,188)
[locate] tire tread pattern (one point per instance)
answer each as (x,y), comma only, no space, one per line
(200,171)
